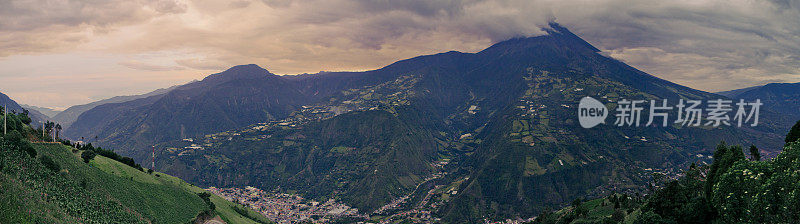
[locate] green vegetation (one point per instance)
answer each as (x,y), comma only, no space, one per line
(17,133)
(535,155)
(53,185)
(224,208)
(49,163)
(794,133)
(247,213)
(87,156)
(348,157)
(611,209)
(35,193)
(92,151)
(731,190)
(206,198)
(755,155)
(505,115)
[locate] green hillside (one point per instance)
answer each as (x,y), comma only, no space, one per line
(616,208)
(733,189)
(50,183)
(348,157)
(451,137)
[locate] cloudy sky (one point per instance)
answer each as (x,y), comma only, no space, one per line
(58,53)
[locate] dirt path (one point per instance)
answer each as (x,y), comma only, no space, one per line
(215,220)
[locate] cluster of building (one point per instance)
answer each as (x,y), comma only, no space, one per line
(382,96)
(420,212)
(413,216)
(286,208)
(513,221)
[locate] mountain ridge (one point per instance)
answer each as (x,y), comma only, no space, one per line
(43,110)
(501,119)
(781,97)
(14,107)
(71,114)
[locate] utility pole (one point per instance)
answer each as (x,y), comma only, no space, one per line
(5,117)
(153,164)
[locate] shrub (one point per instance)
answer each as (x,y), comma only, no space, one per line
(49,163)
(112,155)
(207,198)
(16,139)
(28,148)
(754,153)
(88,155)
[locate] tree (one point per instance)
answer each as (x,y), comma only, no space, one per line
(207,198)
(48,127)
(754,153)
(618,216)
(650,217)
(58,130)
(25,119)
(681,201)
(88,155)
(19,142)
(544,217)
(576,203)
(577,208)
(724,157)
(760,192)
(794,133)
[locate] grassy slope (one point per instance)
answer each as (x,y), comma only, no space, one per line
(596,210)
(113,192)
(224,207)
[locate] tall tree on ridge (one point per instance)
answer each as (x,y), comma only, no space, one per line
(755,155)
(58,130)
(794,133)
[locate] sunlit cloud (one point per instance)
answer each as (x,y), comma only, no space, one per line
(126,47)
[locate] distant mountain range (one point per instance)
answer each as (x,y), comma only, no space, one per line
(43,110)
(780,97)
(14,107)
(469,136)
(68,116)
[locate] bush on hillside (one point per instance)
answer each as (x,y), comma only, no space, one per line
(18,142)
(108,154)
(207,198)
(88,155)
(49,163)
